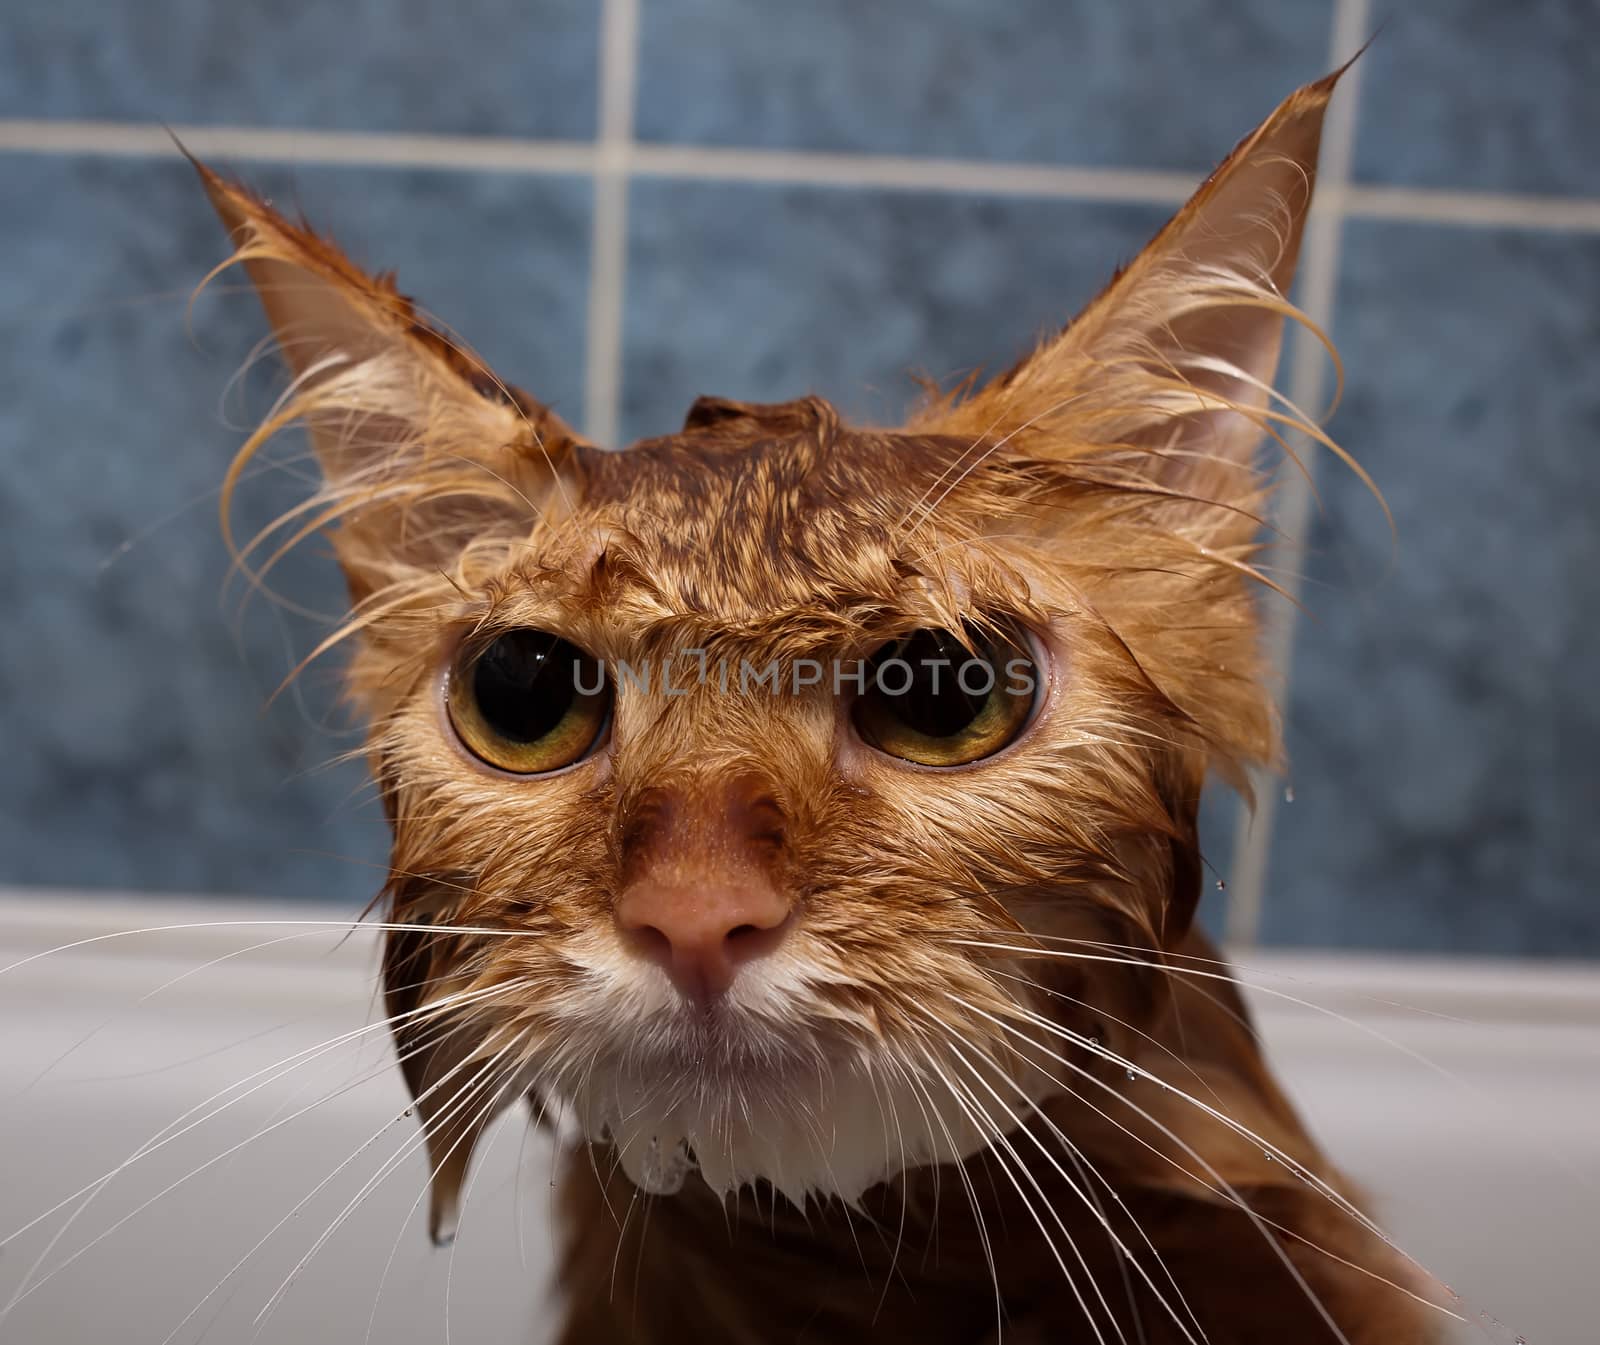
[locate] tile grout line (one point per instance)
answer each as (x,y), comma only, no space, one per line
(1292,515)
(467,153)
(1438,205)
(376,149)
(608,248)
(904,172)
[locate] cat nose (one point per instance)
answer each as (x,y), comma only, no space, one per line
(701,935)
(701,889)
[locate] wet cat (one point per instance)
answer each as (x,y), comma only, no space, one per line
(806,813)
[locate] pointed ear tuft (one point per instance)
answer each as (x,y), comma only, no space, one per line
(1163,382)
(423,449)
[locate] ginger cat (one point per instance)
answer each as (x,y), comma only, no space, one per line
(806,813)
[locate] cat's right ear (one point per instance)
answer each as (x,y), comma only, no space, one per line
(422,448)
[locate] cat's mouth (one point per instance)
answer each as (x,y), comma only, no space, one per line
(707,1057)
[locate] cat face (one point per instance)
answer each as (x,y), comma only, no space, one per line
(720,768)
(748,893)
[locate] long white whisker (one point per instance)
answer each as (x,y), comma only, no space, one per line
(1081,1161)
(1100,1012)
(312,1194)
(425,1030)
(903,1069)
(1223,1187)
(1050,1158)
(151,994)
(491,1106)
(462,1098)
(931,1108)
(892,1116)
(29,1284)
(277,1070)
(346,926)
(1290,1163)
(1359,1026)
(1000,1148)
(394,1249)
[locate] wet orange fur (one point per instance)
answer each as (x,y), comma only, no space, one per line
(1103,494)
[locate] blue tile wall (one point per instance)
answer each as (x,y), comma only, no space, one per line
(1483,95)
(765,293)
(1444,722)
(138,752)
(1439,719)
(1168,85)
(488,67)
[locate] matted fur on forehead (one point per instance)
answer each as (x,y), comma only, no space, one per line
(780,525)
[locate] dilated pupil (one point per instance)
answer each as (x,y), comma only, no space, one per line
(937,702)
(526,681)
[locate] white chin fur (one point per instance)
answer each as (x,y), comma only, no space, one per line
(832,1134)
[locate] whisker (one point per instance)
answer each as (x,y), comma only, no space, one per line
(410,1214)
(1228,1192)
(1121,1246)
(1223,1187)
(460,1100)
(491,1107)
(919,1086)
(1229,979)
(1000,1148)
(1110,1018)
(903,1069)
(622,1239)
(162,1137)
(346,926)
(311,1195)
(151,994)
(30,1285)
(892,1116)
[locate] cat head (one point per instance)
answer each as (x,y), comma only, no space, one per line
(731,775)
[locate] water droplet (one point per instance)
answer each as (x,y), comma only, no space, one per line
(1133,1076)
(1266,1155)
(1097,1041)
(665,1167)
(410,1110)
(1221,885)
(1288,793)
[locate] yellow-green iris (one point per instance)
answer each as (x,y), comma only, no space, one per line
(528,702)
(939,699)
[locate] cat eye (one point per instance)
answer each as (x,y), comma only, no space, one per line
(528,702)
(939,699)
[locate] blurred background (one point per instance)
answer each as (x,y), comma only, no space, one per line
(624,204)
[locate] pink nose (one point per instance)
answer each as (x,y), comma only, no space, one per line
(701,935)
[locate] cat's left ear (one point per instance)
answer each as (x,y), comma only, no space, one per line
(1164,380)
(422,447)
